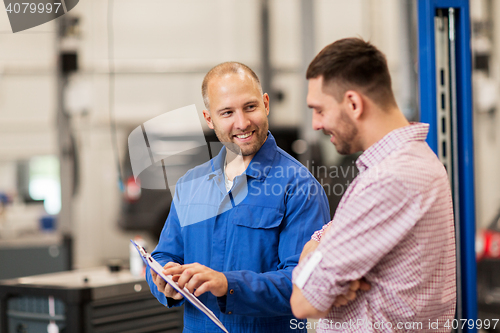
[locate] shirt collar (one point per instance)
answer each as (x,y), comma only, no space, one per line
(391,142)
(257,167)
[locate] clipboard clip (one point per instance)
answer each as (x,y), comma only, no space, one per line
(142,251)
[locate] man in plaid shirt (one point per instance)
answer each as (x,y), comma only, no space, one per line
(393,229)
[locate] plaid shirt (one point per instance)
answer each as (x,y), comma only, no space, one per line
(394,226)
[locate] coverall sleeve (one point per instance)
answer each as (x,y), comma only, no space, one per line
(170,248)
(268,294)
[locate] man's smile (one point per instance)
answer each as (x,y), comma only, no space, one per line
(244,136)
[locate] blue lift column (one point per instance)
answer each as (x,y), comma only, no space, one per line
(446,104)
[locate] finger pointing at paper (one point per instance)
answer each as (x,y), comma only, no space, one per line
(199,279)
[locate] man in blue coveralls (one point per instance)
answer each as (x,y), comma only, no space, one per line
(238,223)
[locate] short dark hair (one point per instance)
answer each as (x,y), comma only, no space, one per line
(352,63)
(223,69)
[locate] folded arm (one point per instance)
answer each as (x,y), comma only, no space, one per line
(370,225)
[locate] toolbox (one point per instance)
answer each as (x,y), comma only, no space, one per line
(83,301)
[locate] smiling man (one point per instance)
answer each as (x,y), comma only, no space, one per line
(238,223)
(394,225)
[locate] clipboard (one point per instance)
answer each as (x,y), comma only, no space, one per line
(158,269)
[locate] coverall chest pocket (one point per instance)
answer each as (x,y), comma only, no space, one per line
(256,235)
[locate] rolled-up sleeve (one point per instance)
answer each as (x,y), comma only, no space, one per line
(319,233)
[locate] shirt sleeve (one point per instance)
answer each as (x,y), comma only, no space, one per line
(371,224)
(319,233)
(170,248)
(268,294)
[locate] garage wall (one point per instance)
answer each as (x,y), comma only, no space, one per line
(27,90)
(487,127)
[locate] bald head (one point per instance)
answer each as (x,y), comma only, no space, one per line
(225,68)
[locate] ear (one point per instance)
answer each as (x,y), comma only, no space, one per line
(354,102)
(265,99)
(208,119)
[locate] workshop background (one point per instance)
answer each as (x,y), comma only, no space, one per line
(72,89)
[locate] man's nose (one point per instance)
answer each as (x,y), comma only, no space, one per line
(316,123)
(242,122)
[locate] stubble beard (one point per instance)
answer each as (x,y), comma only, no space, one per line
(244,150)
(345,138)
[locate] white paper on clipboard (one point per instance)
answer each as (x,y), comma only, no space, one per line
(155,266)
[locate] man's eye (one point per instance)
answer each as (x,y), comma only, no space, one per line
(251,107)
(226,113)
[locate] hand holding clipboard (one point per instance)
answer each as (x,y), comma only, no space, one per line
(158,269)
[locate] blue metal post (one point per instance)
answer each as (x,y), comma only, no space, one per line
(427,85)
